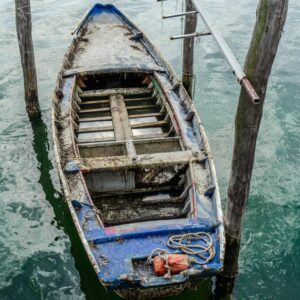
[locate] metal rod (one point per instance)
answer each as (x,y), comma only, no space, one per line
(237,69)
(181,14)
(190,35)
(250,90)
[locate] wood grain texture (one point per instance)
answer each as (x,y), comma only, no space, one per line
(188,48)
(24,33)
(271,16)
(120,118)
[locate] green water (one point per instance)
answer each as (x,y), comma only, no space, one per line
(40,254)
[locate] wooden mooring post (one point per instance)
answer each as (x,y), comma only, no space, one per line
(24,28)
(271,16)
(188,48)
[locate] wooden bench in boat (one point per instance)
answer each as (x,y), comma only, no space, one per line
(109,92)
(139,161)
(134,126)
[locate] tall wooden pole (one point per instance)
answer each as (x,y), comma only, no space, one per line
(188,48)
(271,16)
(24,28)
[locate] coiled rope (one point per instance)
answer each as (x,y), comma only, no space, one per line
(205,250)
(183,242)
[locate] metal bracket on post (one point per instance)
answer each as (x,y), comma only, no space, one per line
(236,67)
(180,14)
(190,35)
(250,90)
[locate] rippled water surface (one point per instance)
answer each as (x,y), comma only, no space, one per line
(40,255)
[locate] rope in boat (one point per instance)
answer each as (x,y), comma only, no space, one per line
(183,242)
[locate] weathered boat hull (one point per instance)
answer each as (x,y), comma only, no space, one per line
(132,156)
(158,292)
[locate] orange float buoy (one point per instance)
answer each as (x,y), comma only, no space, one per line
(176,263)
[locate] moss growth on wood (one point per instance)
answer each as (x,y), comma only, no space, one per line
(271,16)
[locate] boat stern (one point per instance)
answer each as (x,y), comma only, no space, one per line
(125,255)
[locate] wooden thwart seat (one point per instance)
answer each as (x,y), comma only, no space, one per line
(140,161)
(109,92)
(136,142)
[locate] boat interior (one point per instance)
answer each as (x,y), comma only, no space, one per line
(128,139)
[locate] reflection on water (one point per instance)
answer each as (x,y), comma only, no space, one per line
(40,253)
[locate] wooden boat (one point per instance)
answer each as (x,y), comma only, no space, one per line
(134,161)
